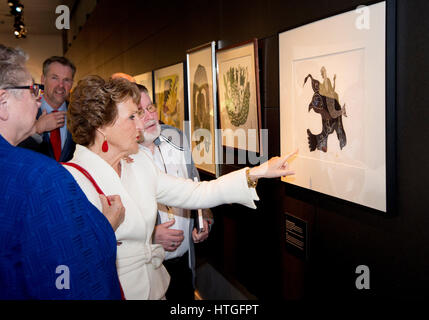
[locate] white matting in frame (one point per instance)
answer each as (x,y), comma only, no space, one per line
(239,105)
(332,106)
(169,95)
(145,79)
(202,107)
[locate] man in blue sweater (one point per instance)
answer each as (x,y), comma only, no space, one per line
(53,243)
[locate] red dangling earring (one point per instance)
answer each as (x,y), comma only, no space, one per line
(105,145)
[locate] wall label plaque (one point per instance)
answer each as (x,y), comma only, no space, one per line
(296,236)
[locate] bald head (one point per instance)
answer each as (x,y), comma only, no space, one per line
(118,75)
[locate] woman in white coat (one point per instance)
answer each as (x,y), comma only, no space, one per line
(104,120)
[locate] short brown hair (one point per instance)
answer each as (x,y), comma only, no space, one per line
(62,60)
(93,104)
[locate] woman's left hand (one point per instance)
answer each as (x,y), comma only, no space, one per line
(273,168)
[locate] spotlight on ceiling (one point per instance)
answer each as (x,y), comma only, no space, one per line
(17,10)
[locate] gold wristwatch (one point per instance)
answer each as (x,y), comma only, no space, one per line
(250,182)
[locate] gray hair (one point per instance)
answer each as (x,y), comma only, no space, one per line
(12,67)
(12,55)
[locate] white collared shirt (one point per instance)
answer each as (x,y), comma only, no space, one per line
(175,165)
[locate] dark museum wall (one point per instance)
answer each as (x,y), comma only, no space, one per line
(246,246)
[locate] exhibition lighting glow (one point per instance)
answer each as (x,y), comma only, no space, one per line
(17,10)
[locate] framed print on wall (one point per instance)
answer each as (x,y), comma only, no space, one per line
(146,80)
(239,101)
(337,106)
(169,95)
(202,107)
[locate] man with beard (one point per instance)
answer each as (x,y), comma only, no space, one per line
(52,137)
(175,227)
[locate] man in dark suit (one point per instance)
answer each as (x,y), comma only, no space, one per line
(52,137)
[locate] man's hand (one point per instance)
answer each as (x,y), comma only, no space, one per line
(200,237)
(115,213)
(170,239)
(51,121)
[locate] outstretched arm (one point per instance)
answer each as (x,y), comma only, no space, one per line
(273,168)
(230,188)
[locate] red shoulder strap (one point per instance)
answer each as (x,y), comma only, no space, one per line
(86,174)
(90,178)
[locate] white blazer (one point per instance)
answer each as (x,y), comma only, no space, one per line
(141,186)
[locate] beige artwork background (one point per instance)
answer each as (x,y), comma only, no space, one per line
(170,106)
(358,172)
(239,56)
(203,158)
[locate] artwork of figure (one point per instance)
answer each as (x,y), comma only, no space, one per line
(201,101)
(237,94)
(325,101)
(169,101)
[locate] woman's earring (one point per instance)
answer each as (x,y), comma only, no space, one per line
(105,145)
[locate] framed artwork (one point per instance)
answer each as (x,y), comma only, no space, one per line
(202,107)
(337,105)
(239,101)
(146,80)
(169,95)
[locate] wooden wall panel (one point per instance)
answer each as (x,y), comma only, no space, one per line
(247,246)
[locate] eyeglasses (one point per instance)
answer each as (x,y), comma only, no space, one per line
(36,89)
(150,108)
